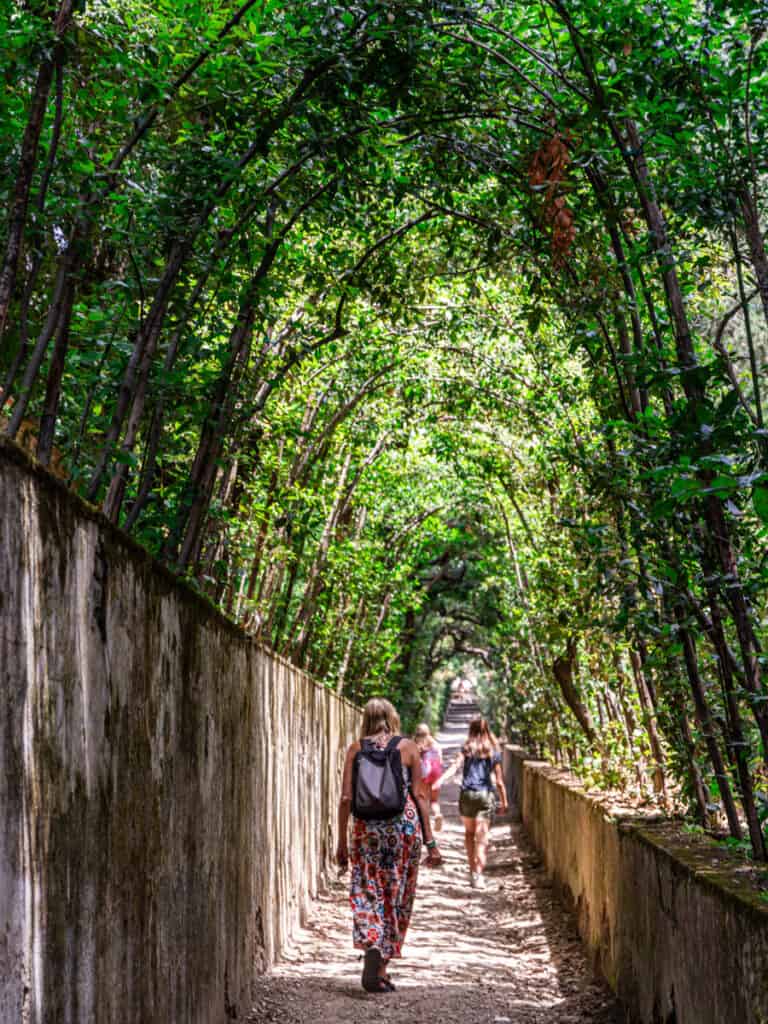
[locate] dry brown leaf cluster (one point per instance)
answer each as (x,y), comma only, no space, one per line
(548,167)
(26,438)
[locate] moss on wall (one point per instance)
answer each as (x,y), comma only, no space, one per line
(166,784)
(672,922)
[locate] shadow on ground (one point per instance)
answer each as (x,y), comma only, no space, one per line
(508,955)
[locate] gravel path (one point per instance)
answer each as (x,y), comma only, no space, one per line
(508,955)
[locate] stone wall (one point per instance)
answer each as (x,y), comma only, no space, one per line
(680,937)
(165,783)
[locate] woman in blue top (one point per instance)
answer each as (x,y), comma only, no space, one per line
(480,761)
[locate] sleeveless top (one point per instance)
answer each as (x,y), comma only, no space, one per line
(478,771)
(431,765)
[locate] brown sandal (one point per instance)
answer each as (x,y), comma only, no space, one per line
(371,965)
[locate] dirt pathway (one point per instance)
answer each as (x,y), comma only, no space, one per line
(508,955)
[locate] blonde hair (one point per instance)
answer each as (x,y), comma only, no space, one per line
(379,716)
(480,740)
(423,735)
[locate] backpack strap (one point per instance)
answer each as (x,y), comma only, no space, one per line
(393,743)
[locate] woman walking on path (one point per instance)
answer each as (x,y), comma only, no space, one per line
(431,769)
(380,770)
(480,761)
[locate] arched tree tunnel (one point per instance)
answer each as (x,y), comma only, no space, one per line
(423,338)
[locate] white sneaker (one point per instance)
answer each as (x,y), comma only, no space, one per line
(479,881)
(472,880)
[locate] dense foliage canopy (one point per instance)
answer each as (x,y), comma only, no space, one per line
(424,337)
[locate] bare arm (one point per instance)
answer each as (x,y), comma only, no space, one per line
(421,788)
(450,772)
(499,776)
(426,787)
(345,806)
(410,755)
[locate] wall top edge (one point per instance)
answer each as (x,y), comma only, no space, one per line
(14,454)
(696,856)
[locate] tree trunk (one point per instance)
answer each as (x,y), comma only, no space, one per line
(736,739)
(649,722)
(197,494)
(142,353)
(694,772)
(754,237)
(55,375)
(314,577)
(28,160)
(753,368)
(563,670)
(344,667)
(704,718)
(37,262)
(58,305)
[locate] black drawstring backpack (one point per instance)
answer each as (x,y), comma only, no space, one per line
(378,787)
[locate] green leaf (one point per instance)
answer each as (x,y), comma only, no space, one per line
(760,501)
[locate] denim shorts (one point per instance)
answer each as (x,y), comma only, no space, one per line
(477,803)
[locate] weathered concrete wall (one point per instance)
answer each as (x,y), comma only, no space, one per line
(680,939)
(165,784)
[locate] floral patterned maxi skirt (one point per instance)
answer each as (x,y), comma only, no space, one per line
(385,865)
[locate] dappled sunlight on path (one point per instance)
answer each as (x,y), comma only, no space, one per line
(506,955)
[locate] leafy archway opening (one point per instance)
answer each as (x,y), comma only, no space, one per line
(414,332)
